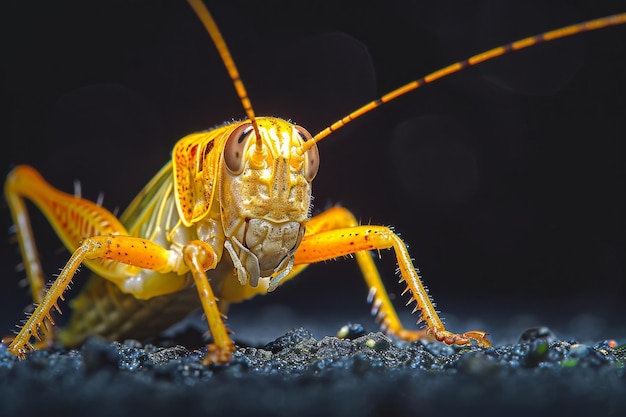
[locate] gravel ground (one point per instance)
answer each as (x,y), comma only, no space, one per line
(297,374)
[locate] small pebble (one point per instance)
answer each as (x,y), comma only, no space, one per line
(535,333)
(351,331)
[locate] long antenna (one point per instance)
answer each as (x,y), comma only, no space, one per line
(563,32)
(209,23)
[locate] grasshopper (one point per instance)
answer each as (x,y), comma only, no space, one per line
(228,218)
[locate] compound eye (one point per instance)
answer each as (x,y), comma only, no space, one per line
(235,148)
(311,157)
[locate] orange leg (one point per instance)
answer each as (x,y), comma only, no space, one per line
(200,257)
(336,233)
(109,252)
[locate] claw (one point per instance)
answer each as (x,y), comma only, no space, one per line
(480,337)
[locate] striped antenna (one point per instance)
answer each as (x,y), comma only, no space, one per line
(209,23)
(563,32)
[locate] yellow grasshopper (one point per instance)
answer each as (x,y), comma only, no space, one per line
(228,218)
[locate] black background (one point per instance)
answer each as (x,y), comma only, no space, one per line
(506,180)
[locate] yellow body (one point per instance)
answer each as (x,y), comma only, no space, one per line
(226,219)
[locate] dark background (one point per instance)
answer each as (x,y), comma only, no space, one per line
(506,180)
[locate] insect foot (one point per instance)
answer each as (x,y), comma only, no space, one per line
(466,338)
(445,336)
(218,355)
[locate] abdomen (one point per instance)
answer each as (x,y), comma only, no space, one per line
(102,309)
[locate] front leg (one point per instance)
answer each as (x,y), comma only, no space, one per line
(199,256)
(124,249)
(141,253)
(336,233)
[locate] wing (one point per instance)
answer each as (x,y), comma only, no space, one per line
(195,160)
(140,213)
